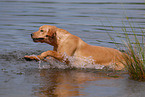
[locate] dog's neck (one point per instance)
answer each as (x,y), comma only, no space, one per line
(61,36)
(62,39)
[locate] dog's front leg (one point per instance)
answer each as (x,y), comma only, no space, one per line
(53,54)
(32,57)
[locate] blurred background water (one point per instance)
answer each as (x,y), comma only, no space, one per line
(88,19)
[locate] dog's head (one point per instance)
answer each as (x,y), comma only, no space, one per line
(46,34)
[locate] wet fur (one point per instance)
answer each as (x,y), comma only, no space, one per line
(71,45)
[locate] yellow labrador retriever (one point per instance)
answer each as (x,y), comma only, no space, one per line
(71,45)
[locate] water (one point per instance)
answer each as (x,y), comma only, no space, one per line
(88,19)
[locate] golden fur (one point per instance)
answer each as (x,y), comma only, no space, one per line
(71,45)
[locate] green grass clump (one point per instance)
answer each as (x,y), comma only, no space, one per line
(135,63)
(135,49)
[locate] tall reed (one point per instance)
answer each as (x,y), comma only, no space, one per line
(135,49)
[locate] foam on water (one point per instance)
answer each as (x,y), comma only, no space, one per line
(39,65)
(85,62)
(75,62)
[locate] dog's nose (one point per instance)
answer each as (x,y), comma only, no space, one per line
(32,34)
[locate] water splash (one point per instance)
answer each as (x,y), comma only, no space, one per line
(84,62)
(53,63)
(75,62)
(39,65)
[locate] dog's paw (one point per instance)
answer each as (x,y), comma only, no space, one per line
(28,58)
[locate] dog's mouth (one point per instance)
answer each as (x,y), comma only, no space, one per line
(38,39)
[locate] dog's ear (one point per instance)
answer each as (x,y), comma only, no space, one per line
(51,31)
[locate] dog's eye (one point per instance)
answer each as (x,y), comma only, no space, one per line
(41,30)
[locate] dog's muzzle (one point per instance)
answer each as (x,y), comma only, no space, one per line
(36,39)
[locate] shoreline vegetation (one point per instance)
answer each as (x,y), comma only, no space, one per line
(135,50)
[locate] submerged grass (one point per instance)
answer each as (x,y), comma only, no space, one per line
(135,49)
(135,63)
